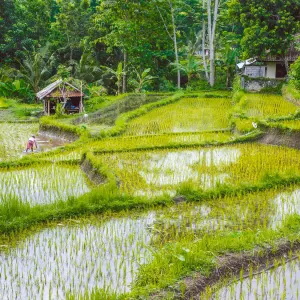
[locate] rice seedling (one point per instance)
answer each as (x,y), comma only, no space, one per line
(164,140)
(13,138)
(75,259)
(187,115)
(264,106)
(158,172)
(159,155)
(43,184)
(291,124)
(79,257)
(278,282)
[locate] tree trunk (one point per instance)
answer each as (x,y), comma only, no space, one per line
(119,86)
(175,45)
(124,89)
(227,78)
(212,24)
(286,64)
(212,72)
(203,45)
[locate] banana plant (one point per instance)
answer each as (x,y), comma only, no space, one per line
(143,78)
(117,74)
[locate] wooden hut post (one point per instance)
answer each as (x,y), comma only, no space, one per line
(45,106)
(48,107)
(81,104)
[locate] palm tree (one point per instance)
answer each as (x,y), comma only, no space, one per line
(191,66)
(36,68)
(87,69)
(118,74)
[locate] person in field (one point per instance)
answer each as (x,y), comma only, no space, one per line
(31,142)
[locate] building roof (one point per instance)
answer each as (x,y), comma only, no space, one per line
(48,90)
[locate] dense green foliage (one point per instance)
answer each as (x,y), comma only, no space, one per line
(119,46)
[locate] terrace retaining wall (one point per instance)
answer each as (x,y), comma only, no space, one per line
(258,84)
(279,137)
(56,132)
(92,173)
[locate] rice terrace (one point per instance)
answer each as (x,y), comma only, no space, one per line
(149,150)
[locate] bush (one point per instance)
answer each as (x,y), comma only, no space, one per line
(294,74)
(198,85)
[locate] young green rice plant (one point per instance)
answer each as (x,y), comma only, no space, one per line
(81,257)
(163,140)
(43,184)
(187,115)
(13,139)
(264,106)
(75,259)
(277,282)
(158,172)
(289,124)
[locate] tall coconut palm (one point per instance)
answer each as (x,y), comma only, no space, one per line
(36,68)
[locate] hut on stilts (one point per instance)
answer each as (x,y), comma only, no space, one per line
(69,96)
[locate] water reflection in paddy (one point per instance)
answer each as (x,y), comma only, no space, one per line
(75,259)
(107,253)
(43,185)
(278,283)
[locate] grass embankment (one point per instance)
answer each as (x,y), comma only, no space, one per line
(12,110)
(291,94)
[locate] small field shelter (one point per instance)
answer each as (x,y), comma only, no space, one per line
(70,97)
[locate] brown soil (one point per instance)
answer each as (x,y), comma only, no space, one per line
(281,138)
(229,265)
(92,173)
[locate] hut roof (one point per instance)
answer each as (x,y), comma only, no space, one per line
(47,91)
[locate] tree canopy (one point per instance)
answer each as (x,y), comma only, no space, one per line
(178,42)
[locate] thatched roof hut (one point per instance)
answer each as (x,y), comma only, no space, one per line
(62,92)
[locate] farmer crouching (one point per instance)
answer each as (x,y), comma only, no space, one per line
(31,142)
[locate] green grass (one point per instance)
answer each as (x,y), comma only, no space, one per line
(3,103)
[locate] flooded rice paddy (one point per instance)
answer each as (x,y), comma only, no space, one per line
(66,259)
(164,171)
(43,184)
(76,257)
(279,282)
(14,137)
